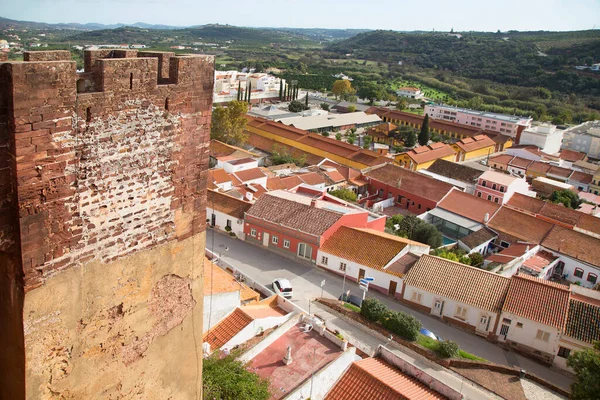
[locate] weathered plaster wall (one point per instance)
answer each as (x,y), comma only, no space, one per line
(102,235)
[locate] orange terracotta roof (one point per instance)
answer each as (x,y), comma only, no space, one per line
(226,204)
(409,181)
(539,261)
(258,311)
(218,176)
(539,300)
(432,152)
(335,176)
(376,379)
(520,162)
(475,143)
(574,244)
(559,171)
(275,183)
(220,149)
(226,329)
(572,156)
(581,177)
(312,178)
(460,282)
(270,145)
(519,225)
(382,247)
(468,206)
(538,167)
(249,174)
(589,223)
(291,182)
(500,159)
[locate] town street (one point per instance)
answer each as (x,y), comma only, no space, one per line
(264,266)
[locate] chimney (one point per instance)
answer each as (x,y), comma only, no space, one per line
(313,203)
(486,217)
(287,360)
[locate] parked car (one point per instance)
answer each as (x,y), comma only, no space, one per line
(283,287)
(352,299)
(429,334)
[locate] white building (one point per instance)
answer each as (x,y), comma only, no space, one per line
(534,315)
(236,165)
(584,138)
(225,212)
(356,253)
(499,188)
(227,84)
(456,293)
(545,136)
(508,125)
(410,92)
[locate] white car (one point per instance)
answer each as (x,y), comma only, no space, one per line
(283,287)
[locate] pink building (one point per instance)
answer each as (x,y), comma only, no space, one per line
(499,188)
(509,125)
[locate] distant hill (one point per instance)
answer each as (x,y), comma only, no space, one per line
(205,34)
(6,23)
(322,34)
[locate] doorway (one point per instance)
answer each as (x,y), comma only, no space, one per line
(484,323)
(361,274)
(504,331)
(392,290)
(438,308)
(265,239)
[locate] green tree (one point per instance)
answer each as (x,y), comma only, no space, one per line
(281,89)
(367,140)
(427,234)
(586,364)
(342,88)
(392,221)
(476,260)
(402,324)
(325,106)
(227,378)
(409,139)
(370,91)
(228,123)
(424,134)
(338,136)
(408,224)
(566,197)
(351,108)
(350,140)
(249,92)
(344,194)
(401,104)
(373,309)
(306,102)
(296,106)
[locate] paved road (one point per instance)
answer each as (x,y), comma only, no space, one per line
(264,266)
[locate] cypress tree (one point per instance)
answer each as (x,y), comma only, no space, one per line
(306,101)
(280,89)
(249,92)
(424,134)
(289,91)
(239,93)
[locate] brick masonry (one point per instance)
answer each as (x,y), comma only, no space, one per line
(96,167)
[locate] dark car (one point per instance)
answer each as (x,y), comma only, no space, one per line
(352,299)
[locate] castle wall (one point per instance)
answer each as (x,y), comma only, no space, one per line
(109,181)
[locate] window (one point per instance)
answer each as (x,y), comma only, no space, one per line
(286,243)
(592,278)
(304,251)
(253,232)
(495,200)
(419,207)
(504,244)
(542,335)
(483,183)
(489,197)
(416,297)
(275,239)
(578,273)
(228,223)
(564,352)
(519,324)
(324,260)
(502,189)
(494,186)
(461,312)
(343,266)
(478,194)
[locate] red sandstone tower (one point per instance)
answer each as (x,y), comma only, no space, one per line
(102,224)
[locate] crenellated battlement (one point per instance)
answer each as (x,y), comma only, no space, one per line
(118,70)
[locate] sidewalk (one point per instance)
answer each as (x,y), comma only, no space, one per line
(364,338)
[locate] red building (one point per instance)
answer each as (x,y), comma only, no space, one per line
(413,191)
(297,223)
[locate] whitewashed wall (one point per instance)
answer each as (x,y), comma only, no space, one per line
(527,334)
(237,225)
(223,304)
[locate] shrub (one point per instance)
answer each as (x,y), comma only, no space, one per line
(232,234)
(228,228)
(373,309)
(402,324)
(448,349)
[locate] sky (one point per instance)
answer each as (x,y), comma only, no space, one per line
(403,15)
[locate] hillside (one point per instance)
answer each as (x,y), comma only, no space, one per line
(507,58)
(208,34)
(6,23)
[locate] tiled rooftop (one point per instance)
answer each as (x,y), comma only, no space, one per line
(574,244)
(402,265)
(500,159)
(376,249)
(519,225)
(475,143)
(572,156)
(538,300)
(310,353)
(583,321)
(478,237)
(226,204)
(218,176)
(375,379)
(409,181)
(465,284)
(520,162)
(468,206)
(434,151)
(454,170)
(250,174)
(293,215)
(226,329)
(497,177)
